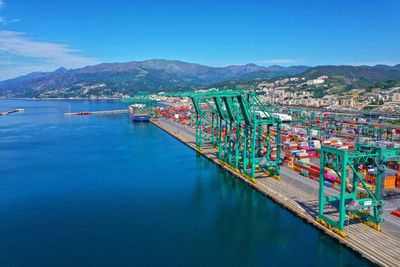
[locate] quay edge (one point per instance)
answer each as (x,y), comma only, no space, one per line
(364,250)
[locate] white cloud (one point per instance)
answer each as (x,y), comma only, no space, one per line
(13,20)
(5,21)
(20,54)
(29,54)
(276,61)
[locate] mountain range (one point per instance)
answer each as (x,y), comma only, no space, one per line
(359,76)
(117,79)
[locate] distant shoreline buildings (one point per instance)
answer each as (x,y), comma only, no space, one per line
(299,92)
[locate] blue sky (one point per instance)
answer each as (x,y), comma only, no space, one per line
(44,35)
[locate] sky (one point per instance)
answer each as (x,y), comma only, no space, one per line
(43,35)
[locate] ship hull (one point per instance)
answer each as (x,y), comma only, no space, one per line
(140,118)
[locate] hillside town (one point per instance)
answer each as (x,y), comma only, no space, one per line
(299,92)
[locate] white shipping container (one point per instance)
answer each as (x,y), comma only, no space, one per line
(284,117)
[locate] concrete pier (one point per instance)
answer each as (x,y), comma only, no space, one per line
(7,112)
(103,112)
(300,196)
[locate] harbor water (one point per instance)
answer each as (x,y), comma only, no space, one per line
(104,191)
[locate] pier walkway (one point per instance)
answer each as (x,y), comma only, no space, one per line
(103,112)
(300,196)
(7,112)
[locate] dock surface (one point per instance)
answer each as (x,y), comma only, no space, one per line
(300,196)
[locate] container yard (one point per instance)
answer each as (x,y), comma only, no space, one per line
(339,173)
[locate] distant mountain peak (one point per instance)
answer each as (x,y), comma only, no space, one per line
(60,69)
(251,65)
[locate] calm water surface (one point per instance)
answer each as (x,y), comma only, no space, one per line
(103,191)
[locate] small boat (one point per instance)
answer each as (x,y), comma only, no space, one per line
(83,113)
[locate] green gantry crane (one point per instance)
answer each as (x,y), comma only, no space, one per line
(368,204)
(331,128)
(241,129)
(376,132)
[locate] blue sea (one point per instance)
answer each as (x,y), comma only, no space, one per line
(104,191)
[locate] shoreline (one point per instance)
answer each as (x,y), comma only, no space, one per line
(360,237)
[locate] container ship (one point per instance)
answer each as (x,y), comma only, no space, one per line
(138,112)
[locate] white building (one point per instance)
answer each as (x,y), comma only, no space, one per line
(315,81)
(396,97)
